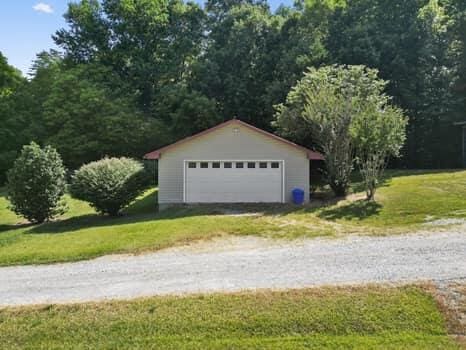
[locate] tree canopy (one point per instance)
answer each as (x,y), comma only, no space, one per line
(133,75)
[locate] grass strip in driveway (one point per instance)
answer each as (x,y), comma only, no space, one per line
(324,318)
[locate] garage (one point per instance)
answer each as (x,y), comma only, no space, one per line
(239,181)
(232,162)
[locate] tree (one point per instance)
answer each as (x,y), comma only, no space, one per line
(10,77)
(237,66)
(110,184)
(301,43)
(10,132)
(36,184)
(218,9)
(147,43)
(431,126)
(456,13)
(88,114)
(166,69)
(184,111)
(339,107)
(378,132)
(407,41)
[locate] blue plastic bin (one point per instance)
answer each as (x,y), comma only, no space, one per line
(298,195)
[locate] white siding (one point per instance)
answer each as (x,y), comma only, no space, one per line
(226,144)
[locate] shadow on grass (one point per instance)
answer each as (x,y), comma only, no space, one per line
(4,228)
(142,209)
(138,213)
(360,209)
(83,222)
(143,205)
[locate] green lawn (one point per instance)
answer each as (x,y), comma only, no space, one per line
(325,318)
(404,202)
(405,199)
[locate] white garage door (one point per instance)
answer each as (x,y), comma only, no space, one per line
(233,181)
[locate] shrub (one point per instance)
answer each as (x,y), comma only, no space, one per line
(110,184)
(36,184)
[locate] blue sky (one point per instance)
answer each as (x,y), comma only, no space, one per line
(26,27)
(25,31)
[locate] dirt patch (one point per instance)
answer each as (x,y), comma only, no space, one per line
(238,212)
(451,297)
(445,222)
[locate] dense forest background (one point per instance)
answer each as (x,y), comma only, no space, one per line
(133,75)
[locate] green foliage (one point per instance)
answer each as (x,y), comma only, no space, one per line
(110,184)
(10,77)
(455,12)
(321,318)
(346,112)
(86,117)
(167,69)
(378,133)
(36,184)
(148,43)
(407,41)
(185,111)
(236,69)
(10,133)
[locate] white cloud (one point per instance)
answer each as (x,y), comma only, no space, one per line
(43,7)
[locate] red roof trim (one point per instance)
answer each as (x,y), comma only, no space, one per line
(310,154)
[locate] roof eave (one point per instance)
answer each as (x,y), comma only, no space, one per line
(152,155)
(312,155)
(315,155)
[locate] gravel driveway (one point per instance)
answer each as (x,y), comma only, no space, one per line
(241,263)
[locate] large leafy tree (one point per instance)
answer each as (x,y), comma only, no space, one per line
(406,40)
(456,13)
(12,125)
(302,43)
(349,117)
(10,77)
(184,111)
(238,64)
(148,43)
(430,143)
(87,118)
(218,9)
(254,56)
